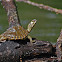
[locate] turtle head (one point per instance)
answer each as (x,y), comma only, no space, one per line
(31,25)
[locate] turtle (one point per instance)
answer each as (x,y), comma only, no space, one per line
(15,30)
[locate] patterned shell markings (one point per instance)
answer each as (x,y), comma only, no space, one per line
(14,33)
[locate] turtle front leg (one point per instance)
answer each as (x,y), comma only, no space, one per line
(2,38)
(31,41)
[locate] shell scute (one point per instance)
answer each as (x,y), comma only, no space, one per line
(15,33)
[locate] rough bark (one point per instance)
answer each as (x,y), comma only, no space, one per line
(12,51)
(12,13)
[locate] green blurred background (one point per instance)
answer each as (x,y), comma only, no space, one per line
(48,24)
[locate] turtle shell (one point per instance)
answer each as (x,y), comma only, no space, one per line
(15,33)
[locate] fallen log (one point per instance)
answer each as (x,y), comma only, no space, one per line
(12,51)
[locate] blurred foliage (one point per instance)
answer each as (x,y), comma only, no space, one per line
(48,24)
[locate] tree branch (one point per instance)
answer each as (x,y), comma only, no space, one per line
(12,51)
(42,6)
(12,13)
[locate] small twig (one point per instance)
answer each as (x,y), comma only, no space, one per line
(42,6)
